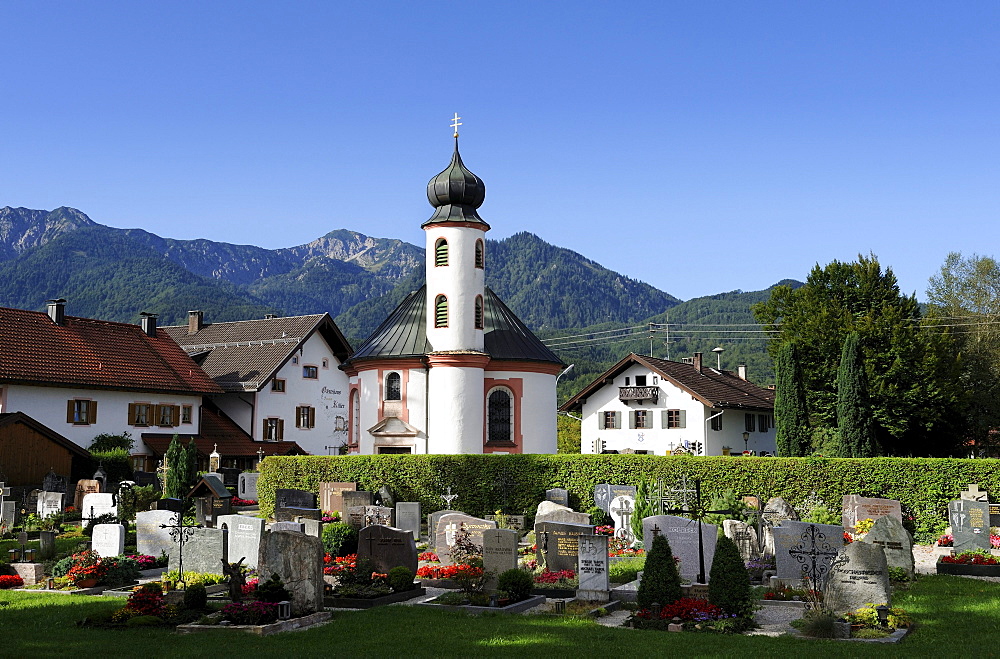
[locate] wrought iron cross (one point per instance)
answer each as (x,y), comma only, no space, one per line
(697,512)
(812,546)
(448,498)
(678,497)
(180,532)
(455,123)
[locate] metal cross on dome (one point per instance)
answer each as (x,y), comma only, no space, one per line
(455,123)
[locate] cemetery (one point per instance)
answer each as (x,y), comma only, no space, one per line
(679,547)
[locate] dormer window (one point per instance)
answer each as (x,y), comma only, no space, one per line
(441,252)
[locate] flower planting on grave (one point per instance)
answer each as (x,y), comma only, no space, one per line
(428,557)
(335,565)
(694,614)
(789,594)
(147,607)
(192,578)
(971,557)
(467,572)
(558,580)
(10,581)
(357,579)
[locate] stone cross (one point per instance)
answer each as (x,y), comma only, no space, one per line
(812,546)
(697,511)
(448,498)
(449,535)
(973,493)
(625,511)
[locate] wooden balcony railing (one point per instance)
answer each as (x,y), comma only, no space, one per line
(626,394)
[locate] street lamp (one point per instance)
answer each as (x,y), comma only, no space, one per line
(746,441)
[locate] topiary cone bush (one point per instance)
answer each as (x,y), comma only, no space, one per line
(729,582)
(516,583)
(660,581)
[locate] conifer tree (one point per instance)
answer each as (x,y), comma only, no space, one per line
(643,508)
(790,418)
(854,415)
(660,581)
(728,581)
(174,457)
(190,469)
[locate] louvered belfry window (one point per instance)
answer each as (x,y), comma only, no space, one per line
(479,312)
(441,252)
(480,257)
(441,311)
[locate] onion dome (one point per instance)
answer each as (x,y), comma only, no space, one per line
(456,193)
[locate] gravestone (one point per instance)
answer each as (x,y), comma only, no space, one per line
(293,514)
(856,509)
(385,497)
(432,525)
(247,488)
(7,507)
(969,524)
(146,479)
(380,515)
(557,544)
(408,517)
(858,576)
(204,550)
(29,503)
(151,540)
(745,538)
(803,550)
(448,525)
(592,561)
(387,547)
(331,496)
(514,522)
(83,488)
(558,495)
(499,553)
(289,504)
(622,509)
(53,482)
(297,559)
(682,534)
(96,504)
(777,510)
(291,527)
(49,503)
(549,511)
(46,545)
(244,537)
(230,477)
(889,534)
(171,504)
(604,494)
(108,540)
(973,493)
(354,507)
(311,526)
(355,517)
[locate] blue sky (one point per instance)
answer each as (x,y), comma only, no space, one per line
(700,147)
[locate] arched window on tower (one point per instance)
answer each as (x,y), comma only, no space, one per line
(479,312)
(441,311)
(393,391)
(440,252)
(500,416)
(480,254)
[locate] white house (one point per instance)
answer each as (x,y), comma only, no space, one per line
(452,369)
(655,406)
(280,375)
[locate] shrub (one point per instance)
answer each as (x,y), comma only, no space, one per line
(191,578)
(273,590)
(108,442)
(727,500)
(818,623)
(119,571)
(144,497)
(340,539)
(401,579)
(117,464)
(660,581)
(626,569)
(516,583)
(251,613)
(195,597)
(729,582)
(106,518)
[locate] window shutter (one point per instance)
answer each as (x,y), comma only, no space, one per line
(298,416)
(631,419)
(92,412)
(683,418)
(617,419)
(312,417)
(281,429)
(175,415)
(263,431)
(131,414)
(69,411)
(601,418)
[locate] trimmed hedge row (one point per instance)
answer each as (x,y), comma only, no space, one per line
(484,483)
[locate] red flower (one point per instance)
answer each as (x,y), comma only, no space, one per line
(10,581)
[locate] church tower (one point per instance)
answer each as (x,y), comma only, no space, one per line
(456,281)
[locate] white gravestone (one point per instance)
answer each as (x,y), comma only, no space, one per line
(96,504)
(49,503)
(622,508)
(109,540)
(592,562)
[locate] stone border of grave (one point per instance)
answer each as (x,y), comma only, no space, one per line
(608,607)
(555,593)
(125,591)
(967,569)
(517,607)
(449,584)
(372,602)
(894,637)
(96,590)
(791,604)
(310,620)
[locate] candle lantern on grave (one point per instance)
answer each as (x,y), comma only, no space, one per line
(214,460)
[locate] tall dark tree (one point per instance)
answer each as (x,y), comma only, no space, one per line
(854,417)
(176,479)
(190,466)
(790,418)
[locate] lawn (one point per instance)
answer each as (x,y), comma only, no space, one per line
(956,616)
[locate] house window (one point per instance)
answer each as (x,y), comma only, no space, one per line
(326,363)
(139,413)
(500,416)
(628,381)
(440,252)
(186,413)
(674,419)
(641,419)
(274,430)
(167,416)
(480,254)
(609,420)
(441,311)
(751,422)
(764,422)
(278,385)
(479,312)
(295,360)
(310,372)
(81,412)
(393,387)
(656,380)
(717,422)
(640,380)
(305,417)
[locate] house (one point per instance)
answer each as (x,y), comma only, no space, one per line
(280,377)
(80,377)
(656,406)
(452,369)
(29,450)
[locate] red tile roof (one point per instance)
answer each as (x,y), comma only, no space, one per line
(219,430)
(94,354)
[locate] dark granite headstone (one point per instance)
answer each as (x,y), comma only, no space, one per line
(173,505)
(146,479)
(682,534)
(292,513)
(557,495)
(285,498)
(53,482)
(557,544)
(355,517)
(387,547)
(969,524)
(230,477)
(604,494)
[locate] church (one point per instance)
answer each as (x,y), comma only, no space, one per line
(452,369)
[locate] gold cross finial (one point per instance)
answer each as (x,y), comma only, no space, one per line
(455,123)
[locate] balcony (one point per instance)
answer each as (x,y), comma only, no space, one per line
(626,394)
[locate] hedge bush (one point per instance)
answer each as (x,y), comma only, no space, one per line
(924,486)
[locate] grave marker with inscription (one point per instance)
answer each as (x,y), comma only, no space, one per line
(331,496)
(604,494)
(969,524)
(245,535)
(408,517)
(858,576)
(558,495)
(108,540)
(387,547)
(889,534)
(432,525)
(682,534)
(448,525)
(592,561)
(152,540)
(557,545)
(499,553)
(96,504)
(856,509)
(806,551)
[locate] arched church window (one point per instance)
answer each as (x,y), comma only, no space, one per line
(480,255)
(479,312)
(393,390)
(441,311)
(441,252)
(500,416)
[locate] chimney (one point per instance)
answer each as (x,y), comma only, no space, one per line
(57,311)
(270,316)
(195,322)
(148,323)
(697,361)
(741,371)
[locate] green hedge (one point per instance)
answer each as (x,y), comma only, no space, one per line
(923,485)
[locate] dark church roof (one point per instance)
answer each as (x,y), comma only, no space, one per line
(403,333)
(456,193)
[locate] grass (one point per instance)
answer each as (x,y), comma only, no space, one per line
(955,616)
